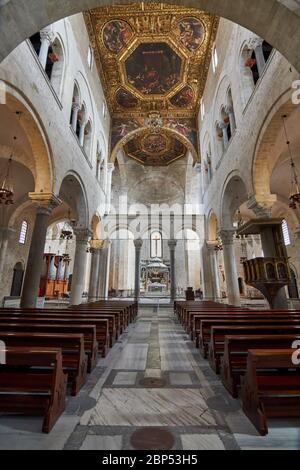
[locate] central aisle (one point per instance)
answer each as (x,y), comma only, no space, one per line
(154,377)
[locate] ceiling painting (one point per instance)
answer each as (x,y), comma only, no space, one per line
(152,57)
(155,149)
(191,33)
(153,68)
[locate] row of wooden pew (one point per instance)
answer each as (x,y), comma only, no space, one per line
(49,352)
(252,351)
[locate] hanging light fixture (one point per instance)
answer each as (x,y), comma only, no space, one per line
(295,187)
(6,185)
(66,233)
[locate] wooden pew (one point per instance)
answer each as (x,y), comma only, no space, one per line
(270,387)
(88,331)
(121,312)
(32,382)
(106,333)
(235,317)
(71,345)
(234,360)
(218,334)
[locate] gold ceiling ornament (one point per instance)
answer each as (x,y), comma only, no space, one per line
(122,34)
(154,122)
(153,60)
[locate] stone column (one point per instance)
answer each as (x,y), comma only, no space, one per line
(138,243)
(214,270)
(229,110)
(223,126)
(172,245)
(82,237)
(46,40)
(46,203)
(259,55)
(81,133)
(94,277)
(110,169)
(75,109)
(233,292)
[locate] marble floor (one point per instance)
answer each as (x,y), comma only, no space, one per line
(186,399)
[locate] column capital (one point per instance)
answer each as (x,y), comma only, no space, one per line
(97,245)
(110,167)
(138,243)
(46,202)
(211,245)
(47,34)
(255,42)
(172,244)
(222,125)
(227,235)
(76,106)
(82,234)
(262,206)
(228,109)
(198,167)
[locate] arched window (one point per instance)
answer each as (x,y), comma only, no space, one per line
(104,109)
(90,57)
(254,59)
(55,64)
(23,233)
(215,58)
(286,234)
(156,245)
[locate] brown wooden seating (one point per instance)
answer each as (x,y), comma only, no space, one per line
(234,360)
(71,345)
(218,333)
(105,332)
(31,326)
(32,382)
(270,387)
(197,319)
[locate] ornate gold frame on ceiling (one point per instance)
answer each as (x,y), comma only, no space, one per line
(151,22)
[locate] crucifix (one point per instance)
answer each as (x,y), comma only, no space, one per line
(156,240)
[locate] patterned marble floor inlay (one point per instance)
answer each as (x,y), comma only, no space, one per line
(152,439)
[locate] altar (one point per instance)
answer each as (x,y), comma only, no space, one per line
(155,276)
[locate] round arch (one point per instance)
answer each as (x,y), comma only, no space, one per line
(140,130)
(73,193)
(254,15)
(212,227)
(41,152)
(234,194)
(271,127)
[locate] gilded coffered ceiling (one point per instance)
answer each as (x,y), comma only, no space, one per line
(153,61)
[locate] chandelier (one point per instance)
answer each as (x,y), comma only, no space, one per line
(295,187)
(6,185)
(154,122)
